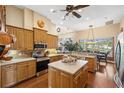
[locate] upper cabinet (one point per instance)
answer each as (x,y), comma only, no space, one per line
(28,39)
(40,35)
(24,38)
(52,41)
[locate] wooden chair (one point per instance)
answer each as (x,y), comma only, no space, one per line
(102,56)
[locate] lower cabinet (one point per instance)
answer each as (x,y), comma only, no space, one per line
(8,75)
(15,73)
(31,69)
(92,64)
(26,70)
(60,79)
(0,78)
(81,78)
(53,78)
(22,72)
(56,58)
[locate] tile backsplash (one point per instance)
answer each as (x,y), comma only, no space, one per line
(19,53)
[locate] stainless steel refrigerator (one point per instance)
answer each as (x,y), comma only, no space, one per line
(119,60)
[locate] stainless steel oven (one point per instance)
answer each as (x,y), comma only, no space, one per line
(41,64)
(40,45)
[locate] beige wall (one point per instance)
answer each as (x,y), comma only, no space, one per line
(14,16)
(99,32)
(50,27)
(28,19)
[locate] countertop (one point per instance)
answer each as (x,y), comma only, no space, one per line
(50,55)
(68,68)
(17,60)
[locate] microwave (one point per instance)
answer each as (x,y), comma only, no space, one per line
(42,45)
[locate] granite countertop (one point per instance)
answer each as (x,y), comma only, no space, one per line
(17,60)
(68,68)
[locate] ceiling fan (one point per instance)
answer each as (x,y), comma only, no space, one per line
(72,9)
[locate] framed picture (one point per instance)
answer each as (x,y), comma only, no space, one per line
(2,18)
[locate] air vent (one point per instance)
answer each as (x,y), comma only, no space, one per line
(109,22)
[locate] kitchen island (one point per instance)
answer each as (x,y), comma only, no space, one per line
(64,75)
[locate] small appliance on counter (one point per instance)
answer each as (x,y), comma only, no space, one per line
(41,59)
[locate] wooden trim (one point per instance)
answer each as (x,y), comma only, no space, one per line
(19,27)
(53,35)
(39,29)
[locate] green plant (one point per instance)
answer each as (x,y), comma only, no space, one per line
(71,46)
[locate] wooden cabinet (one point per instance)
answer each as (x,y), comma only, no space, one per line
(56,58)
(26,70)
(0,77)
(92,64)
(31,69)
(54,77)
(65,80)
(28,40)
(81,78)
(61,79)
(22,71)
(52,41)
(40,35)
(19,34)
(14,73)
(8,75)
(24,38)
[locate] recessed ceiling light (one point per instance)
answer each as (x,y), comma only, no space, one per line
(87,18)
(61,23)
(52,10)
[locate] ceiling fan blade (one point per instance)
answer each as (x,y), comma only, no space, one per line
(62,10)
(80,6)
(66,15)
(76,14)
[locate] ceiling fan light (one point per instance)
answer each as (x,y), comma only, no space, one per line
(79,10)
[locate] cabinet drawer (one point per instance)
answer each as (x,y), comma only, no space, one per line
(8,67)
(22,63)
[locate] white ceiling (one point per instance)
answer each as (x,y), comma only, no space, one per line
(95,13)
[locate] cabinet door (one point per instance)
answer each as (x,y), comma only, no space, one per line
(21,40)
(22,72)
(54,78)
(28,40)
(31,69)
(77,81)
(0,77)
(8,75)
(65,80)
(84,76)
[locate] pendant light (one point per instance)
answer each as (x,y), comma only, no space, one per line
(91,39)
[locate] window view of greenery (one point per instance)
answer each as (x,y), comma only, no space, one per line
(98,45)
